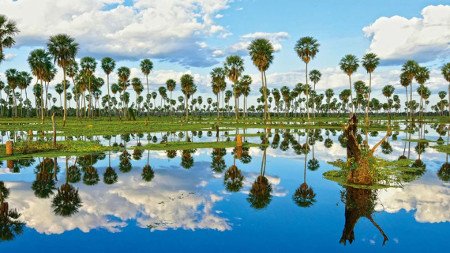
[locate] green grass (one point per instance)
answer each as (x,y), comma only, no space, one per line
(393,173)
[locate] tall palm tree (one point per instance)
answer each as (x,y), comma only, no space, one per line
(409,69)
(8,30)
(445,70)
(88,66)
(244,84)
(171,85)
(108,66)
(314,76)
(12,77)
(124,74)
(261,52)
(370,62)
(422,75)
(349,64)
(188,88)
(146,68)
(39,61)
(138,88)
(387,91)
(234,66)
(307,48)
(24,81)
(63,48)
(217,82)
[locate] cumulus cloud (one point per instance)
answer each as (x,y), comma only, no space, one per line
(170,201)
(397,38)
(245,40)
(171,30)
(430,202)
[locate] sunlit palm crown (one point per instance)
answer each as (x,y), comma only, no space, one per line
(315,75)
(88,65)
(123,73)
(108,65)
(261,52)
(234,66)
(410,69)
(446,71)
(187,85)
(146,66)
(422,75)
(63,48)
(370,62)
(307,48)
(7,31)
(171,84)
(39,60)
(349,64)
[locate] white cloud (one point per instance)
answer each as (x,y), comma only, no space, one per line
(398,38)
(170,201)
(245,40)
(430,202)
(168,30)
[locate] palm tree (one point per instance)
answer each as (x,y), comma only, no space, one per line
(63,48)
(370,62)
(409,69)
(445,70)
(234,66)
(39,61)
(217,82)
(244,85)
(24,81)
(88,66)
(12,77)
(307,48)
(146,68)
(387,91)
(7,31)
(314,76)
(124,74)
(138,88)
(349,64)
(188,88)
(422,75)
(108,66)
(261,52)
(171,84)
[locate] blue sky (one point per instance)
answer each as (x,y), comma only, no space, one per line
(196,35)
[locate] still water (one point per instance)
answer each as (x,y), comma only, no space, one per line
(223,200)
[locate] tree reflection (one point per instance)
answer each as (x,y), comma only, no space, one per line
(358,203)
(304,196)
(44,185)
(67,201)
(147,172)
(260,192)
(10,225)
(217,160)
(125,163)
(187,161)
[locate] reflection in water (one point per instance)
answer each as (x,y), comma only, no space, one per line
(67,201)
(44,185)
(147,172)
(304,195)
(358,203)
(260,192)
(10,225)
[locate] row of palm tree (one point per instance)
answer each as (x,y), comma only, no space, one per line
(62,51)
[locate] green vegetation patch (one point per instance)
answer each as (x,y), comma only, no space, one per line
(388,173)
(442,148)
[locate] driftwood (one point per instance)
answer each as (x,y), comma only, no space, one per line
(361,174)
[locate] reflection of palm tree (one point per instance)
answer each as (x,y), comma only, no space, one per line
(218,163)
(110,176)
(358,203)
(187,161)
(147,172)
(259,196)
(304,196)
(67,201)
(10,226)
(90,176)
(444,171)
(171,153)
(125,164)
(233,178)
(44,184)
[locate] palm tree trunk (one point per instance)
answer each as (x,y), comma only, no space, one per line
(351,93)
(65,97)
